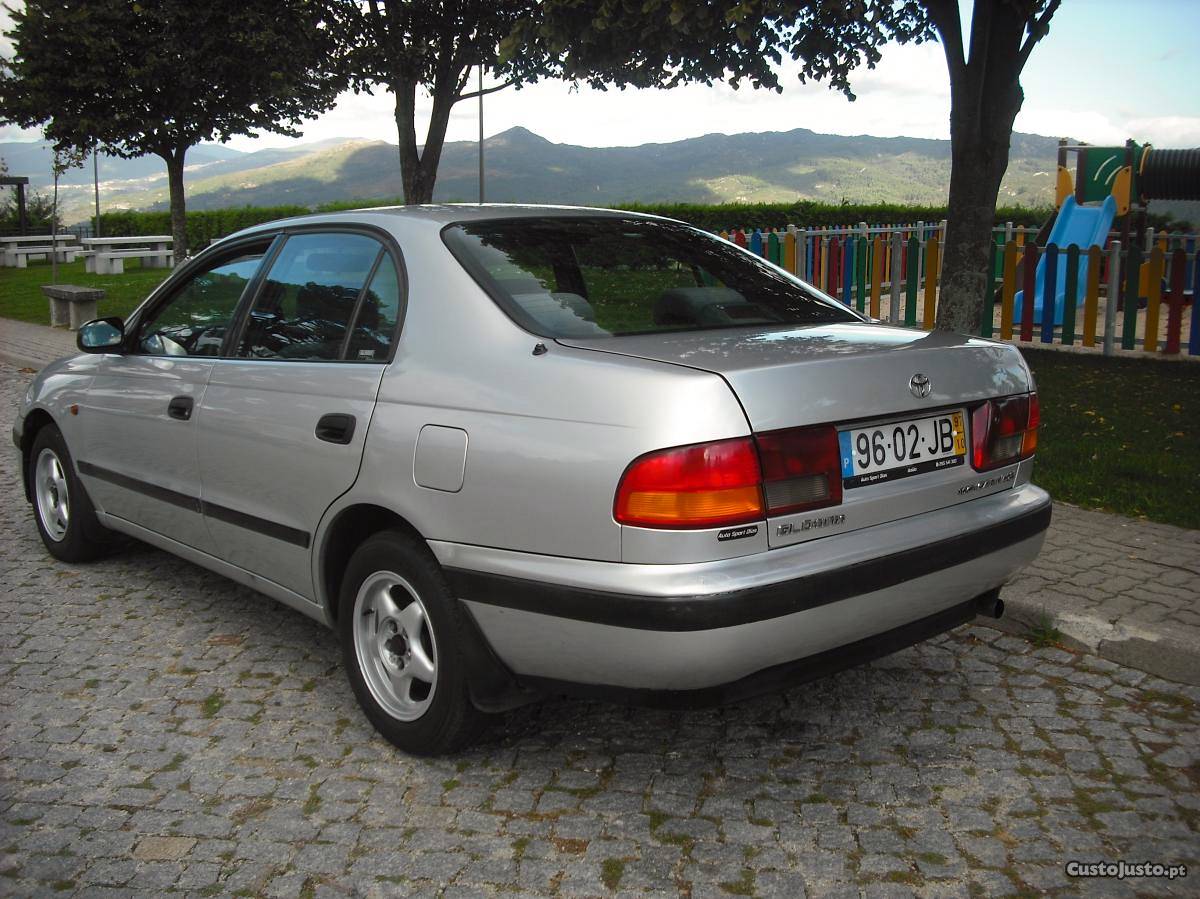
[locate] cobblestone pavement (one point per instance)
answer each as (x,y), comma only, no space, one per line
(1127,590)
(24,344)
(162,729)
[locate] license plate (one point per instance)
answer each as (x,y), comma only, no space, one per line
(902,449)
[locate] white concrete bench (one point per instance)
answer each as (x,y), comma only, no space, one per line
(19,256)
(71,305)
(112,262)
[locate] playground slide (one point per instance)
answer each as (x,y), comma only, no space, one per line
(1086,226)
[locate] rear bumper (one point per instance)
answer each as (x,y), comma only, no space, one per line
(783,676)
(708,625)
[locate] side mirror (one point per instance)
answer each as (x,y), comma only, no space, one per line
(101,336)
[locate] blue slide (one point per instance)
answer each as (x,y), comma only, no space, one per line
(1086,226)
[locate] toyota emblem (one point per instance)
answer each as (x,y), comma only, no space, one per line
(920,385)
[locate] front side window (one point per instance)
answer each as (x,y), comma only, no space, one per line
(193,322)
(602,277)
(310,298)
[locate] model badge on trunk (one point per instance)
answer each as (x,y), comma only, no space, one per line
(825,521)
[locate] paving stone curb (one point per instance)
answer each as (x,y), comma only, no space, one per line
(1152,651)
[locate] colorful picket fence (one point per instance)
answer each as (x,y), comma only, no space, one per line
(851,263)
(891,272)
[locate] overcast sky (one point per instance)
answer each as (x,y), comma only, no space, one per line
(1107,71)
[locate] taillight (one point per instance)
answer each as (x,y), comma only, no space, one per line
(709,485)
(701,486)
(801,469)
(1004,431)
(1029,444)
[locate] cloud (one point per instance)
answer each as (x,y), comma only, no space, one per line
(1166,131)
(1110,130)
(907,94)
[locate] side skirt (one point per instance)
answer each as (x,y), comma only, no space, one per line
(246,578)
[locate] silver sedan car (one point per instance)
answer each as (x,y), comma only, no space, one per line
(507,451)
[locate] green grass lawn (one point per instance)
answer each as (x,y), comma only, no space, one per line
(21,288)
(1120,434)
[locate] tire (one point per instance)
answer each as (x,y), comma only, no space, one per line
(65,516)
(401,633)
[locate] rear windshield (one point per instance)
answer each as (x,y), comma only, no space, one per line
(603,277)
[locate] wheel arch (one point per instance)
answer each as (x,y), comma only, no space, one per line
(35,420)
(345,533)
(492,686)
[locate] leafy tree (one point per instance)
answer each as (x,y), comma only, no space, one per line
(39,213)
(134,78)
(406,45)
(662,43)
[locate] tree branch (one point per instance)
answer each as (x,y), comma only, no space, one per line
(1037,30)
(980,62)
(488,90)
(945,18)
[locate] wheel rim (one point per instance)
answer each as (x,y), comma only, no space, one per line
(395,645)
(53,498)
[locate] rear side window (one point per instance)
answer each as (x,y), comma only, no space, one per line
(602,277)
(312,297)
(375,325)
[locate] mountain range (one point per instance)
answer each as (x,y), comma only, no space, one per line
(524,167)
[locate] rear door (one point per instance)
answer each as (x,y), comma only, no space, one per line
(139,425)
(286,414)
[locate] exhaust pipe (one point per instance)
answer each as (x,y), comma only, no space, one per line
(997,608)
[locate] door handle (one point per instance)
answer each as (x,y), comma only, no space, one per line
(180,408)
(336,427)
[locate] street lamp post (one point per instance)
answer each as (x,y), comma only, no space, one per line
(481,132)
(96,185)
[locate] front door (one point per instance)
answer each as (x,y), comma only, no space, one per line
(286,418)
(139,423)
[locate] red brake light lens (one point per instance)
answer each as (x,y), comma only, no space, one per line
(1004,431)
(801,469)
(700,486)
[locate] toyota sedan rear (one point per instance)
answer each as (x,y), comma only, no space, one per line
(513,451)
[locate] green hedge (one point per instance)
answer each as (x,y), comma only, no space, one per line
(808,214)
(802,213)
(205,225)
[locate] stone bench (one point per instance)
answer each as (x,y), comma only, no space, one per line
(112,262)
(71,305)
(19,256)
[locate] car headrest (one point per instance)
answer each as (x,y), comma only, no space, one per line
(338,262)
(688,305)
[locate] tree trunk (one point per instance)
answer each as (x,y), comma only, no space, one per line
(174,161)
(418,170)
(985,97)
(977,168)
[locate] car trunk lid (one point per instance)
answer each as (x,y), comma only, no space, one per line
(843,374)
(833,373)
